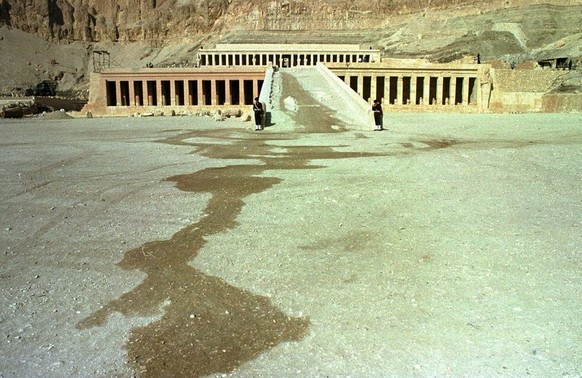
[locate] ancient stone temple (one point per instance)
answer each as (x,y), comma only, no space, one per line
(231,75)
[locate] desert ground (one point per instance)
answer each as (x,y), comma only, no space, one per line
(446,245)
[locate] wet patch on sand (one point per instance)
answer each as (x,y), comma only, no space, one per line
(208,326)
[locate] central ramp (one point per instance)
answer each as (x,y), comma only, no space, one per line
(313,99)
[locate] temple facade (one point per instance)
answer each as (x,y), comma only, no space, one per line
(230,76)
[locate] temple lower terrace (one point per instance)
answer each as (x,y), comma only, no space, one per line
(229,76)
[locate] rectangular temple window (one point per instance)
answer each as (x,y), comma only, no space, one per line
(230,59)
(206,92)
(432,91)
(366,89)
(166,96)
(406,90)
(286,61)
(379,88)
(354,83)
(193,90)
(124,87)
(248,91)
(234,86)
(393,90)
(472,90)
(152,93)
(458,91)
(221,92)
(446,90)
(138,93)
(179,88)
(111,93)
(260,85)
(419,90)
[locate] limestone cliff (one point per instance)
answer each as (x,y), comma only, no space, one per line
(60,35)
(155,20)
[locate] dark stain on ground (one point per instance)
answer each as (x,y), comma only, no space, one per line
(208,326)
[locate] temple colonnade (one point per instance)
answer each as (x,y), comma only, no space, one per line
(180,87)
(415,87)
(284,56)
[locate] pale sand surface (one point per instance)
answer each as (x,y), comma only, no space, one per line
(448,245)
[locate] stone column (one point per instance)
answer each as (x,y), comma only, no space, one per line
(426,91)
(147,95)
(201,99)
(213,94)
(241,91)
(188,99)
(159,93)
(173,92)
(227,95)
(373,80)
(453,91)
(413,90)
(386,89)
(400,91)
(466,90)
(118,93)
(361,86)
(255,88)
(132,100)
(439,90)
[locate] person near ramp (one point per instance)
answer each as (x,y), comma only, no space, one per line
(378,115)
(259,113)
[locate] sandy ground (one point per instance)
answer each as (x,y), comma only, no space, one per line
(448,245)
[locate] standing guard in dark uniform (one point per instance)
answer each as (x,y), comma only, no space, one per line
(259,112)
(378,115)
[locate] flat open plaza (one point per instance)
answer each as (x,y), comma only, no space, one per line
(447,245)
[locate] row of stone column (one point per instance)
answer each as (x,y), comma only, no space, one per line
(177,92)
(279,59)
(405,90)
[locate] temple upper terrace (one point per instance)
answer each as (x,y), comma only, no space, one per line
(285,56)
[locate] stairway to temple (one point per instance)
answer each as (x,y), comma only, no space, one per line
(306,99)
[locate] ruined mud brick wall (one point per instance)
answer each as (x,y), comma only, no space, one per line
(516,91)
(561,102)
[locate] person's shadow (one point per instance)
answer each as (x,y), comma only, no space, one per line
(268,120)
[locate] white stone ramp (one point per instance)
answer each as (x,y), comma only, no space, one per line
(314,99)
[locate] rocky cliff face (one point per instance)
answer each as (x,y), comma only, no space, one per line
(155,20)
(60,35)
